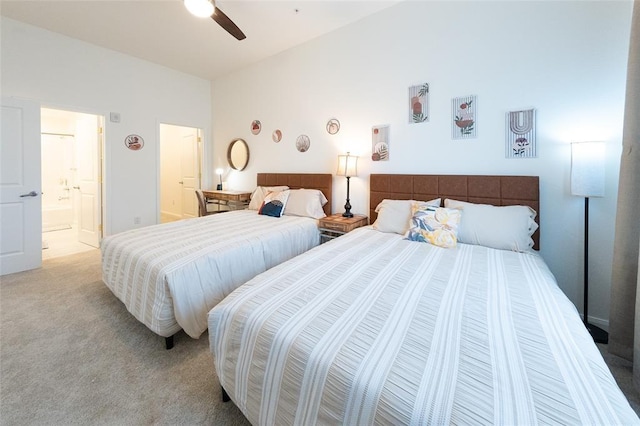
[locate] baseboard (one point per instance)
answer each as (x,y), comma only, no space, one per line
(599,322)
(169,217)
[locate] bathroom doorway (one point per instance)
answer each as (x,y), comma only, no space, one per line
(71,182)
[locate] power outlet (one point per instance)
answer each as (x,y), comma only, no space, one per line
(136,220)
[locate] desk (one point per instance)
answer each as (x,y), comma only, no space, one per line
(227,200)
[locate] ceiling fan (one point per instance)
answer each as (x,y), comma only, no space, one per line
(208,8)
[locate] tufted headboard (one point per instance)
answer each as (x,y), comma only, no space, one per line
(321,181)
(495,190)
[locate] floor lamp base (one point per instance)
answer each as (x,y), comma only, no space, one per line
(598,334)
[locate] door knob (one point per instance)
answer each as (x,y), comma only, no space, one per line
(76,187)
(31,194)
(181,182)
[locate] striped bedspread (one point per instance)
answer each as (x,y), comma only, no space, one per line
(169,276)
(372,329)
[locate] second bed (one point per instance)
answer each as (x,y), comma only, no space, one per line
(170,275)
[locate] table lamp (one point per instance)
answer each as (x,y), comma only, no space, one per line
(219,172)
(348,167)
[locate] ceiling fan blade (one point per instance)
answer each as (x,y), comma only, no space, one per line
(226,23)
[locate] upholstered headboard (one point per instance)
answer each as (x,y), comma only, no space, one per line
(321,181)
(495,190)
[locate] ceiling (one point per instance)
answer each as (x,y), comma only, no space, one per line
(164,32)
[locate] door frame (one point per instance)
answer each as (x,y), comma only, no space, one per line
(102,120)
(201,150)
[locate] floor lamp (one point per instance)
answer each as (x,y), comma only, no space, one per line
(587,180)
(348,167)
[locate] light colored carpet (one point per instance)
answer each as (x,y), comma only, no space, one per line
(70,354)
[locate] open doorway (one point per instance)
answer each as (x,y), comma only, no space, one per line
(180,171)
(71,182)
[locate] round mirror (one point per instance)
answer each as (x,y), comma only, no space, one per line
(238,154)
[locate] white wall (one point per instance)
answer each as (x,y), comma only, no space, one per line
(65,73)
(565,59)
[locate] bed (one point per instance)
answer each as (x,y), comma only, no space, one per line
(372,328)
(170,275)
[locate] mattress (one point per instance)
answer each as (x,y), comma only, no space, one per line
(373,329)
(169,276)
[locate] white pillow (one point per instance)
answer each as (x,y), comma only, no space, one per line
(500,227)
(260,192)
(306,202)
(395,215)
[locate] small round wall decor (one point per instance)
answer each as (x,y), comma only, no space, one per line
(134,142)
(333,126)
(276,135)
(256,126)
(303,143)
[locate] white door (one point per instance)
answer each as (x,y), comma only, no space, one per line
(190,167)
(88,162)
(20,187)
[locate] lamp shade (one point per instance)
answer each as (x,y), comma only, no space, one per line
(347,165)
(199,8)
(587,169)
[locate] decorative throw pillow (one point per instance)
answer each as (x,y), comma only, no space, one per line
(434,225)
(257,197)
(274,203)
(395,215)
(500,227)
(306,202)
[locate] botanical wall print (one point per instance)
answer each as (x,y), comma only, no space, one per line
(303,143)
(463,114)
(333,126)
(380,143)
(521,134)
(419,103)
(256,126)
(276,136)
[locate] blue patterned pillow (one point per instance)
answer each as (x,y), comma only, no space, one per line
(434,225)
(274,204)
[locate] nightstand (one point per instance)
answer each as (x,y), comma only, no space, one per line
(336,225)
(227,200)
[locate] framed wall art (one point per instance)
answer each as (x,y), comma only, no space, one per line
(521,134)
(463,117)
(419,103)
(380,143)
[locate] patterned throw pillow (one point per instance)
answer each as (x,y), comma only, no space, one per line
(274,204)
(434,225)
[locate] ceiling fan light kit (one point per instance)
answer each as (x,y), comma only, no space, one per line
(199,8)
(208,8)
